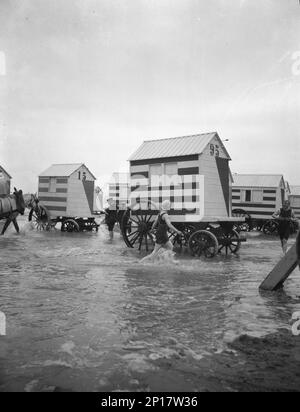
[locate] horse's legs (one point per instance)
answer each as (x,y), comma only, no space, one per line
(7,223)
(16,225)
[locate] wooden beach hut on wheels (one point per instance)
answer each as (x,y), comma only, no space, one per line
(5,180)
(294,198)
(66,194)
(257,197)
(193,173)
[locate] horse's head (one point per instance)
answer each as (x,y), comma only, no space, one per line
(19,201)
(32,202)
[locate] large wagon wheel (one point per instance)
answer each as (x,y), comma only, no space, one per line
(246,226)
(70,225)
(294,226)
(136,226)
(180,241)
(229,241)
(270,227)
(40,218)
(203,242)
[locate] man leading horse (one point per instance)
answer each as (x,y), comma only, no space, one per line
(10,207)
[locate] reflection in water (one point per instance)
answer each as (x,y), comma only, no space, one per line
(83,314)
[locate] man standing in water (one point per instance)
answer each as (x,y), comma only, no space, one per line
(111,217)
(162,223)
(285,216)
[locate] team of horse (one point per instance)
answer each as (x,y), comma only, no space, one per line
(10,207)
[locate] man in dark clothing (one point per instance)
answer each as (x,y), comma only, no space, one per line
(285,216)
(111,217)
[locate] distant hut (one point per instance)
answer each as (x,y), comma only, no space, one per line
(119,189)
(5,180)
(67,190)
(202,163)
(259,195)
(294,198)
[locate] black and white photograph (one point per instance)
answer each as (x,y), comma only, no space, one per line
(149,198)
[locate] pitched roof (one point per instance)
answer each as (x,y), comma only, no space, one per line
(63,170)
(257,180)
(2,168)
(295,190)
(176,146)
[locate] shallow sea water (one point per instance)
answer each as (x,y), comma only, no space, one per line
(84,315)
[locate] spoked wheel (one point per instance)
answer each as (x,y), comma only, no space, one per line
(40,218)
(136,226)
(230,242)
(182,241)
(70,225)
(294,227)
(270,227)
(246,226)
(204,243)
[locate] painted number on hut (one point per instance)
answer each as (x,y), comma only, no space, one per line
(214,150)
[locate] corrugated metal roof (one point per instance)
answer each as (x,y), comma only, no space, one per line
(176,146)
(295,190)
(62,170)
(8,175)
(257,180)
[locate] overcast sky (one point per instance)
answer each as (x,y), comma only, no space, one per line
(89,80)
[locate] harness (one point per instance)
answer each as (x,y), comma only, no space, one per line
(5,214)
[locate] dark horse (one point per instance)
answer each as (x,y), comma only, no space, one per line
(10,207)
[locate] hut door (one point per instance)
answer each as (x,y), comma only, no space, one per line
(223,169)
(282,196)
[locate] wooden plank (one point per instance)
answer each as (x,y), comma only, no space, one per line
(281,271)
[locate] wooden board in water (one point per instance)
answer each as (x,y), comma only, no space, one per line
(281,271)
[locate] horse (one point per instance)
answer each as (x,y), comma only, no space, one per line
(10,207)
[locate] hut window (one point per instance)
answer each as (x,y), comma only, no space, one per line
(257,196)
(170,174)
(296,202)
(155,174)
(248,196)
(52,185)
(171,169)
